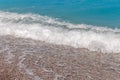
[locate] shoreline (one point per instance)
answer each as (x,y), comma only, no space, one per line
(27,59)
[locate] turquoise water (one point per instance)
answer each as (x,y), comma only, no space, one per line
(93,12)
(90,24)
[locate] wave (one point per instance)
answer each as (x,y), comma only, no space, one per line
(51,30)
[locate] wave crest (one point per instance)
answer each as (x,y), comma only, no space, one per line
(59,32)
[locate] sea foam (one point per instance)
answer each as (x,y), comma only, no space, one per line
(51,30)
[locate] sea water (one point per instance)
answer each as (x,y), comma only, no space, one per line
(93,12)
(91,24)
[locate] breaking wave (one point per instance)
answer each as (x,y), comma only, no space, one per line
(51,30)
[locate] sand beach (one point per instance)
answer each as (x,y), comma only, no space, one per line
(27,59)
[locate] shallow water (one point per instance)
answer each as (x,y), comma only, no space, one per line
(29,59)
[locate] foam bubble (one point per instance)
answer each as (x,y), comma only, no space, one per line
(57,32)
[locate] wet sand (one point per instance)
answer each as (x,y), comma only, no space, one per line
(27,59)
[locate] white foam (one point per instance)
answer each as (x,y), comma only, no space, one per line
(53,31)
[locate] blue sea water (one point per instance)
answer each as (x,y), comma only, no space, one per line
(105,13)
(91,24)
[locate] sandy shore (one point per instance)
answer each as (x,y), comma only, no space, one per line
(27,59)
